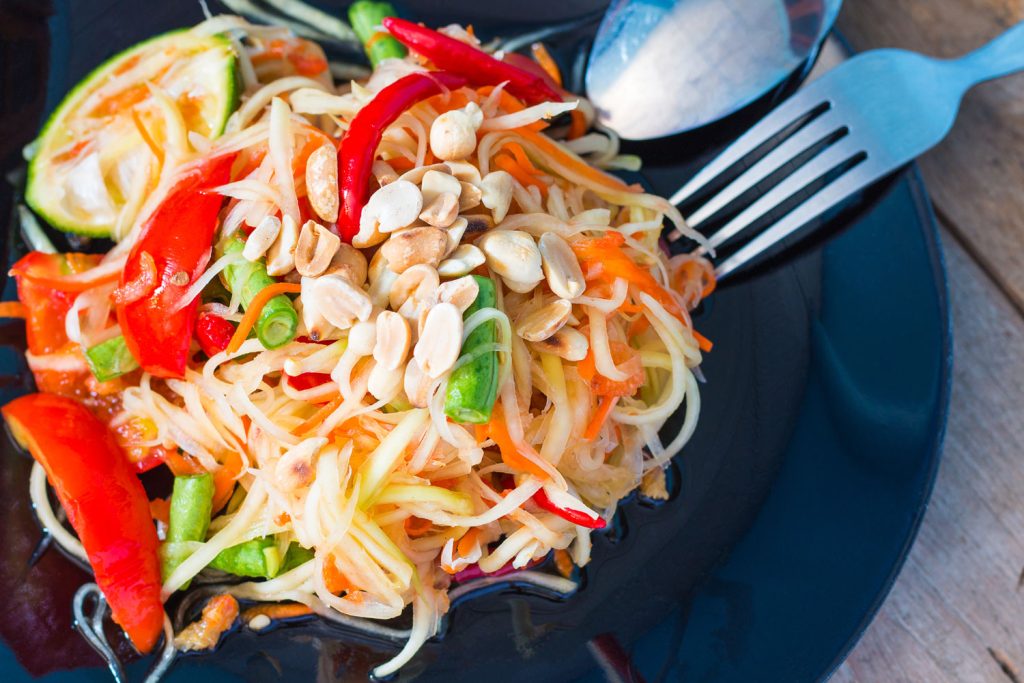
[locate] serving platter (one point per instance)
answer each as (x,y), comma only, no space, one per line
(793,506)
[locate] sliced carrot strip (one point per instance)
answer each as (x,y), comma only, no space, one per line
(703,342)
(147,138)
(604,409)
(544,58)
(334,578)
(224,480)
(465,546)
(546,145)
(256,307)
(508,164)
(578,127)
(510,455)
(12,309)
(417,526)
(280,610)
(520,156)
(318,417)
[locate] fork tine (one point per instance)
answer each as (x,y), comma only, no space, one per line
(786,114)
(831,195)
(827,160)
(803,140)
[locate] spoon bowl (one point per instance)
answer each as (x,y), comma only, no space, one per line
(662,67)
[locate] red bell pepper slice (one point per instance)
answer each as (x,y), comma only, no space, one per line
(358,147)
(105,503)
(214,333)
(307,380)
(178,237)
(574,516)
(45,306)
(478,67)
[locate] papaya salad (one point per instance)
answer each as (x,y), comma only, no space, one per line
(388,335)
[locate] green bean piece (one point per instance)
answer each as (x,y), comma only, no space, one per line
(473,387)
(249,558)
(365,17)
(296,555)
(191,507)
(278,320)
(110,359)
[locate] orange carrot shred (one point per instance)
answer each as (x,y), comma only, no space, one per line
(510,455)
(318,417)
(604,409)
(255,308)
(12,309)
(508,164)
(703,342)
(417,526)
(465,546)
(546,62)
(224,480)
(578,127)
(147,138)
(279,610)
(551,149)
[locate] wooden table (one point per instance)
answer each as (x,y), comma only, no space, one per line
(956,612)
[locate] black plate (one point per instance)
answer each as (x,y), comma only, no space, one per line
(797,498)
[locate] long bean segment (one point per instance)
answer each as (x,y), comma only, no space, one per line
(365,17)
(473,386)
(189,519)
(278,320)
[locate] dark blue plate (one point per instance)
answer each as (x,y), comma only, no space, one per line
(796,500)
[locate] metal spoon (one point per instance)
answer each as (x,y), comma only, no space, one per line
(661,67)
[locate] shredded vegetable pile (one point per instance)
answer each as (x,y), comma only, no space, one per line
(386,334)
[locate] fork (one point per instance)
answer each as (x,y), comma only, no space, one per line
(837,136)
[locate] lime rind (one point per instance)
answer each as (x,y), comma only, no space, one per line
(42,198)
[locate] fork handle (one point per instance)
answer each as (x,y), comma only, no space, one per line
(1001,57)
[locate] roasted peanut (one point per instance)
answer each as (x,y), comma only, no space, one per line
(414,246)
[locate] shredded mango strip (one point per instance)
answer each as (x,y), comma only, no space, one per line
(604,409)
(546,62)
(252,314)
(510,455)
(549,147)
(12,309)
(318,417)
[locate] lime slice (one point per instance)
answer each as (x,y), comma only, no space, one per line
(101,151)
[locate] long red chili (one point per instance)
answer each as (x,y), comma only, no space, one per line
(478,67)
(574,516)
(358,147)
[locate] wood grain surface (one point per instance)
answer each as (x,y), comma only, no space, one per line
(956,613)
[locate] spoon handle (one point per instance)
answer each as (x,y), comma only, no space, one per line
(1001,57)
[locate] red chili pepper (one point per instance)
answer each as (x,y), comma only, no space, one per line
(574,516)
(46,307)
(478,67)
(214,333)
(307,380)
(105,503)
(178,235)
(358,147)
